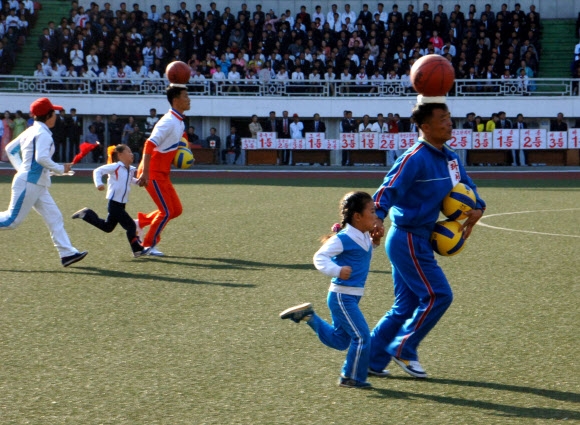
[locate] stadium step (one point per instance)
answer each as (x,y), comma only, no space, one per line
(52,10)
(558,41)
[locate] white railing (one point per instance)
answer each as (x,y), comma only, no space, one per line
(285,88)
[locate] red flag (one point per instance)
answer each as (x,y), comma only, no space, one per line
(85,148)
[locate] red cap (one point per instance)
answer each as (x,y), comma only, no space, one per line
(295,115)
(43,106)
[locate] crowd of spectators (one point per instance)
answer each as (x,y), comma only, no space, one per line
(362,46)
(16,19)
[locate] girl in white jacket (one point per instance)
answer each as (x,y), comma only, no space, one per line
(121,177)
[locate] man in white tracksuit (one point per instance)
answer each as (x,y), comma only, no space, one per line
(30,154)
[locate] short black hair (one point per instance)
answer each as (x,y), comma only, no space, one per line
(423,111)
(174,92)
(45,117)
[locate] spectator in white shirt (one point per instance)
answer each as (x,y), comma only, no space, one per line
(318,14)
(361,80)
(296,128)
(365,126)
(297,74)
(330,18)
(406,81)
(282,74)
(381,125)
(377,81)
(234,79)
(92,60)
(346,79)
(77,57)
(348,14)
(39,72)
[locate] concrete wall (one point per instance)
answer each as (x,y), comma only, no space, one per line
(216,112)
(548,9)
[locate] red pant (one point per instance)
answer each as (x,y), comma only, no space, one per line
(168,207)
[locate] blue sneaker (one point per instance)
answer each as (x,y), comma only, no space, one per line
(353,383)
(71,259)
(298,313)
(412,367)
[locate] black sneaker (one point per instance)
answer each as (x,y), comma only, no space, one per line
(298,312)
(379,374)
(80,213)
(353,383)
(71,259)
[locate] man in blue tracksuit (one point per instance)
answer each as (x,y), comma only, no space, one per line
(412,192)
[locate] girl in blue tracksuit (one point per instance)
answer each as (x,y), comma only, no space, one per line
(346,257)
(121,176)
(412,194)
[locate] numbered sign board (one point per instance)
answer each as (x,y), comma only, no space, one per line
(481,140)
(388,141)
(349,141)
(506,138)
(249,144)
(369,141)
(461,139)
(314,140)
(533,139)
(406,140)
(574,138)
(266,140)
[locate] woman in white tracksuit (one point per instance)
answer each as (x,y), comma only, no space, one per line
(30,154)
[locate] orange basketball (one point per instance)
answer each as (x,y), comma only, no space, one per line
(432,75)
(178,72)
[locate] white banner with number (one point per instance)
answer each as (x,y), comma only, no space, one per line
(349,141)
(557,140)
(533,138)
(314,141)
(369,140)
(388,141)
(249,144)
(505,138)
(574,138)
(266,140)
(461,139)
(406,140)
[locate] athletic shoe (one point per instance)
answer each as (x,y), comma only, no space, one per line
(139,231)
(298,313)
(379,374)
(144,251)
(154,252)
(80,213)
(412,367)
(352,383)
(71,259)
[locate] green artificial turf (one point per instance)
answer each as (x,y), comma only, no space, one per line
(195,337)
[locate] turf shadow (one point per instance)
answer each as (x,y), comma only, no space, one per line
(553,394)
(498,409)
(233,263)
(96,271)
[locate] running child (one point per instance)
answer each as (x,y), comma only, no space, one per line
(121,177)
(346,257)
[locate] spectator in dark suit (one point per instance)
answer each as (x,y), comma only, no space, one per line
(503,121)
(213,141)
(469,124)
(348,125)
(74,126)
(284,133)
(233,144)
(559,124)
(272,124)
(317,126)
(519,155)
(115,131)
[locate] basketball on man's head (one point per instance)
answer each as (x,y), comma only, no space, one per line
(447,238)
(178,72)
(432,75)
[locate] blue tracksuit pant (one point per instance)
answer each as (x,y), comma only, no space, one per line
(422,295)
(349,329)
